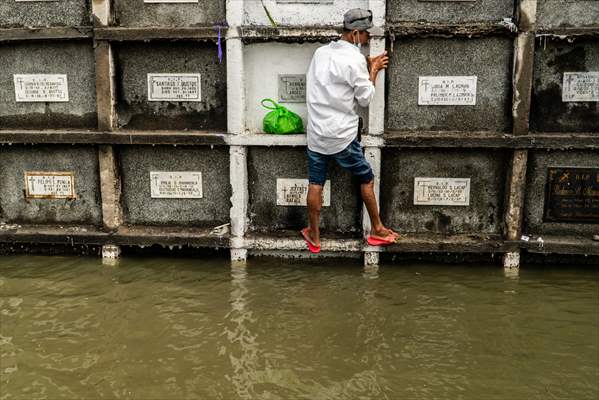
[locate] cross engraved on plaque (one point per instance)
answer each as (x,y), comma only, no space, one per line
(294,192)
(580,87)
(49,185)
(572,195)
(292,88)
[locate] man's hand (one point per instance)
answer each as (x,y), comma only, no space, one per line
(375,64)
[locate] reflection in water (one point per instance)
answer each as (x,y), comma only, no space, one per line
(243,347)
(199,329)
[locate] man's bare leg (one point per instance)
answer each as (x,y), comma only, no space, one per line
(314,205)
(378,229)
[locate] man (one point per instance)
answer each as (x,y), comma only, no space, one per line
(338,80)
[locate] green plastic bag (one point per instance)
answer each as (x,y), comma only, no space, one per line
(280,120)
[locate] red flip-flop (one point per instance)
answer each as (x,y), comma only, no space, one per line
(311,247)
(380,242)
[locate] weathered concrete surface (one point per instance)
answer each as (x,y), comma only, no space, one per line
(295,13)
(138,13)
(264,62)
(446,11)
(136,60)
(82,160)
(38,14)
(265,165)
(549,113)
(567,13)
(538,162)
(139,208)
(490,59)
(76,59)
(485,169)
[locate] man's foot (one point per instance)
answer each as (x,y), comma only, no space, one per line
(382,237)
(313,246)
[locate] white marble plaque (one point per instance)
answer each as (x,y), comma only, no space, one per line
(442,191)
(294,192)
(36,1)
(580,86)
(50,185)
(174,87)
(171,1)
(41,88)
(447,90)
(292,88)
(176,185)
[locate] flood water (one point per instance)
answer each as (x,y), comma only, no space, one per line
(160,328)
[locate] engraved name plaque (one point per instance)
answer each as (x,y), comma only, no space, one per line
(174,87)
(294,192)
(49,185)
(176,185)
(442,191)
(447,90)
(292,88)
(31,88)
(572,195)
(580,86)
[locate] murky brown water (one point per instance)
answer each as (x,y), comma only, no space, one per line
(71,328)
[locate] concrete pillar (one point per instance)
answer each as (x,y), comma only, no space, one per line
(110,254)
(239,201)
(376,123)
(236,126)
(524,47)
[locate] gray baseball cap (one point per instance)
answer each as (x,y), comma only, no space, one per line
(358,18)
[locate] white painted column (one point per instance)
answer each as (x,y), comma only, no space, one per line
(376,124)
(236,126)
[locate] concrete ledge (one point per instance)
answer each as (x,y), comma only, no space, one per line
(118,137)
(54,33)
(456,139)
(417,243)
(413,139)
(565,32)
(156,33)
(127,236)
(428,29)
(292,240)
(295,34)
(562,245)
(265,139)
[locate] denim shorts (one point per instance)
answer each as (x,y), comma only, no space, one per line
(351,158)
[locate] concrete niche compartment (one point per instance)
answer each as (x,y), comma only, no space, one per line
(187,87)
(567,13)
(147,201)
(176,14)
(300,12)
(268,68)
(278,71)
(77,201)
(479,212)
(44,13)
(449,11)
(565,96)
(480,66)
(266,165)
(565,203)
(47,85)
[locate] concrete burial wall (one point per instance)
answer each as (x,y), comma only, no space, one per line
(139,122)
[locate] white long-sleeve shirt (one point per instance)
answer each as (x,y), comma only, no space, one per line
(336,82)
